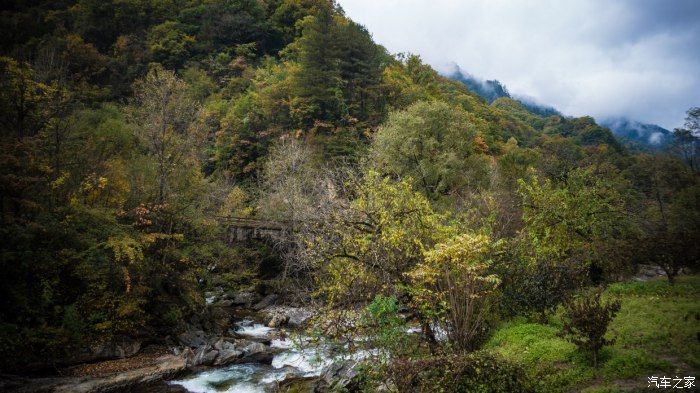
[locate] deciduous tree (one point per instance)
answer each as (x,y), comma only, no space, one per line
(452,287)
(586,320)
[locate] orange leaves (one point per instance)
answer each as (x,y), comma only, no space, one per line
(480,145)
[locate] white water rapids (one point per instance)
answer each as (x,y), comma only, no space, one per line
(293,359)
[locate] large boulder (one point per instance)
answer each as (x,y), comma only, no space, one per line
(123,380)
(341,375)
(648,272)
(267,301)
(227,356)
(192,338)
(255,352)
(205,356)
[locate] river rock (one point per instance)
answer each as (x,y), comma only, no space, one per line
(340,375)
(267,301)
(278,319)
(162,367)
(227,356)
(205,356)
(245,299)
(193,338)
(224,303)
(222,344)
(256,352)
(295,316)
(293,382)
(187,354)
(296,383)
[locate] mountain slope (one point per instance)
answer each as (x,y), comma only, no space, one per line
(491,90)
(624,129)
(648,135)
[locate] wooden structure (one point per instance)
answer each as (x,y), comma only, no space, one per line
(244,228)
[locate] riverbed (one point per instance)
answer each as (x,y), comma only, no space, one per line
(295,357)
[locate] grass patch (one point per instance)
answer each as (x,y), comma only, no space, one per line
(656,330)
(685,286)
(604,389)
(551,362)
(627,364)
(660,318)
(531,343)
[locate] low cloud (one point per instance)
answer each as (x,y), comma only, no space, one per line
(635,58)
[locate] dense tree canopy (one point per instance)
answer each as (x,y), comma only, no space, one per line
(131,129)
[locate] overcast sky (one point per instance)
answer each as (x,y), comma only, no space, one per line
(634,58)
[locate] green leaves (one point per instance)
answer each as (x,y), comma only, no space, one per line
(24,101)
(586,320)
(384,233)
(385,327)
(452,285)
(563,221)
(169,44)
(434,143)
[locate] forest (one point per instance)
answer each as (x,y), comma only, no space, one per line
(435,236)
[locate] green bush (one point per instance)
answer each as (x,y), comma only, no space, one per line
(385,328)
(477,372)
(538,287)
(74,323)
(586,321)
(684,286)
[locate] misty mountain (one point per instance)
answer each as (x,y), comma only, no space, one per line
(537,108)
(627,130)
(491,90)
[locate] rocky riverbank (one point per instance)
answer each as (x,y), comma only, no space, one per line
(105,376)
(257,347)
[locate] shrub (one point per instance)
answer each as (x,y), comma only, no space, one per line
(453,287)
(538,287)
(586,320)
(479,372)
(384,327)
(74,323)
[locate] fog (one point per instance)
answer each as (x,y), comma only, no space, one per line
(634,58)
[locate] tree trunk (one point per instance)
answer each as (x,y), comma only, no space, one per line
(595,358)
(430,337)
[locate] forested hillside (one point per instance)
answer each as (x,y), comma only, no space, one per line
(645,135)
(131,129)
(633,134)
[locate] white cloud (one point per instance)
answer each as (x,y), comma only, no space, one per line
(633,58)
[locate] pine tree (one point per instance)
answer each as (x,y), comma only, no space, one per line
(317,85)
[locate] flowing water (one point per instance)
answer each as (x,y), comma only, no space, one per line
(294,358)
